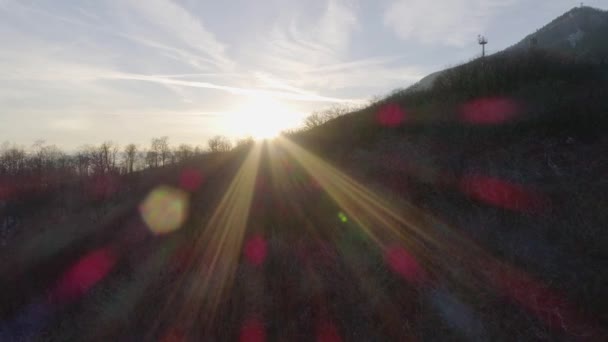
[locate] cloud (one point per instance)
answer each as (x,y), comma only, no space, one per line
(307,54)
(448,22)
(65,60)
(69,124)
(297,43)
(296,95)
(164,18)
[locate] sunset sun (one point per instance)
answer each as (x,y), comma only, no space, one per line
(261,117)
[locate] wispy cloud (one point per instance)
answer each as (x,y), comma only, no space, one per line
(314,53)
(164,18)
(296,95)
(163,56)
(450,22)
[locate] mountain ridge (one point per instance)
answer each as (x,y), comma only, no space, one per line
(578,32)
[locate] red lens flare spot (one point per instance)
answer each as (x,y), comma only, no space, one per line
(314,184)
(548,305)
(287,165)
(262,185)
(190,179)
(252,330)
(83,275)
(173,335)
(503,194)
(183,259)
(256,250)
(327,332)
(6,191)
(390,115)
(103,186)
(405,265)
(489,111)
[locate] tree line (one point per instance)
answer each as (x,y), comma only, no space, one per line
(108,157)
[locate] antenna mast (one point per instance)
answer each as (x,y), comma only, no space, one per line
(482,41)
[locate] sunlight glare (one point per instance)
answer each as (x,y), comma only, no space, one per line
(262,117)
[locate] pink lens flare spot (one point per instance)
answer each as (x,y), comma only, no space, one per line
(256,250)
(502,193)
(252,330)
(390,115)
(327,332)
(489,111)
(191,179)
(83,275)
(405,265)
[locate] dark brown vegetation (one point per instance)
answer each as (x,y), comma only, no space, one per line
(506,153)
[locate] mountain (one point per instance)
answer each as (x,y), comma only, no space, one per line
(578,33)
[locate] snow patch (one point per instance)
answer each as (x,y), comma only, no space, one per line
(574,38)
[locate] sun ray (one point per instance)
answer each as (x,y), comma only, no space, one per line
(443,253)
(261,117)
(218,248)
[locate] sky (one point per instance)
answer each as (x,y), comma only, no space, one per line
(76,72)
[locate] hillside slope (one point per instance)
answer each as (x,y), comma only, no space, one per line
(578,33)
(474,210)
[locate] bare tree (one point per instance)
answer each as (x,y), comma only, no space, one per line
(103,158)
(219,144)
(130,154)
(151,159)
(184,152)
(161,149)
(12,159)
(245,142)
(110,154)
(313,120)
(83,160)
(318,118)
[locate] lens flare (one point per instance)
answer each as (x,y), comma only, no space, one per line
(502,193)
(83,275)
(489,111)
(390,115)
(405,265)
(256,250)
(173,335)
(327,332)
(190,179)
(252,331)
(216,252)
(165,209)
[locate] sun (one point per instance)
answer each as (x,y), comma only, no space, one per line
(261,117)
